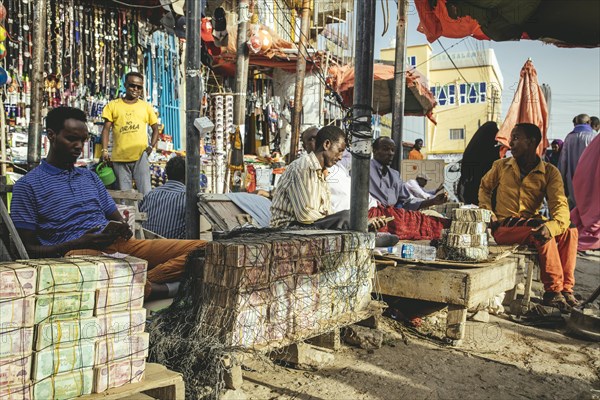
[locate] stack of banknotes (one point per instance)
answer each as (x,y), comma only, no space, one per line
(71,326)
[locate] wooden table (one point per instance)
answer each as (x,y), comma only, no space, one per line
(158,383)
(459,288)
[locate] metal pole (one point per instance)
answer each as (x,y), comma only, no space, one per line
(241,69)
(399,84)
(363,97)
(34,140)
(300,74)
(2,139)
(193,94)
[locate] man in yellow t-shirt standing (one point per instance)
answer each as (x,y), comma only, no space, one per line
(129,118)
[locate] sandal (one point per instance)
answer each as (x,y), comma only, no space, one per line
(556,300)
(570,299)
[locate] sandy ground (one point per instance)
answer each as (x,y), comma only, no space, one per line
(497,360)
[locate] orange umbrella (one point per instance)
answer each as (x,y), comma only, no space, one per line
(528,105)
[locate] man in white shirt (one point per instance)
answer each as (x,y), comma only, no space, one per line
(416,187)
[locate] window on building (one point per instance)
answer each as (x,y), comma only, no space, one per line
(482,92)
(473,95)
(411,61)
(462,93)
(451,94)
(457,134)
(442,96)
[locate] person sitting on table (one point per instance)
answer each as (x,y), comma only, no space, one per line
(521,183)
(394,199)
(60,210)
(416,187)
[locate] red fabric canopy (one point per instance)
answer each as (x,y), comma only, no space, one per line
(528,105)
(436,22)
(564,23)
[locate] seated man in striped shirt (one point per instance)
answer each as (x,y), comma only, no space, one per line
(60,210)
(302,195)
(165,205)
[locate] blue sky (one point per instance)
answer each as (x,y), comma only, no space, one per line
(573,74)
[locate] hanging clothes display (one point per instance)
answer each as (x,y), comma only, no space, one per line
(89,47)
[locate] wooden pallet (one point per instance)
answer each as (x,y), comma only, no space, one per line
(158,383)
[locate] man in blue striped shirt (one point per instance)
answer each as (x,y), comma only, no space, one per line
(165,205)
(61,210)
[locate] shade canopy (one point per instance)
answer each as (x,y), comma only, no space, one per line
(564,23)
(419,100)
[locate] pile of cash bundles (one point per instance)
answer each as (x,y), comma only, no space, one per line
(71,326)
(467,238)
(263,290)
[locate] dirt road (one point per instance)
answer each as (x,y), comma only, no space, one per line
(498,360)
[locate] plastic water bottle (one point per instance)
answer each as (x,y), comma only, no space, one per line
(408,251)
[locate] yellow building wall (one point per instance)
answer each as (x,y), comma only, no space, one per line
(466,116)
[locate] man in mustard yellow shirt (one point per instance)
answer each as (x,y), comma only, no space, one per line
(521,183)
(129,118)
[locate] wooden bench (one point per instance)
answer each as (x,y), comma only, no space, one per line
(158,383)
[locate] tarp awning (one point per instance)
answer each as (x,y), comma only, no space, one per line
(419,100)
(564,23)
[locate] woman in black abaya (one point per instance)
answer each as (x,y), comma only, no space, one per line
(480,154)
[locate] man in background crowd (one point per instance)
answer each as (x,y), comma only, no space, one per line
(416,187)
(573,146)
(415,153)
(165,205)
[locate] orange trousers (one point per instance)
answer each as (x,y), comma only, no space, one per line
(165,257)
(557,257)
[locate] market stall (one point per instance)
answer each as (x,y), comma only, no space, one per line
(89,49)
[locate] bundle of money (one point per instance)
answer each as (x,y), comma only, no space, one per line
(15,342)
(66,275)
(119,298)
(64,306)
(66,333)
(15,370)
(17,280)
(52,361)
(115,348)
(123,323)
(118,374)
(17,312)
(119,271)
(65,386)
(15,392)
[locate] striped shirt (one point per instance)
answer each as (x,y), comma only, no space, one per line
(60,205)
(302,194)
(165,206)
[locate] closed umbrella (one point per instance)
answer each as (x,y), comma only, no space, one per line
(528,105)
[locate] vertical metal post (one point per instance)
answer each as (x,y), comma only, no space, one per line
(399,84)
(34,140)
(193,94)
(363,98)
(241,69)
(300,74)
